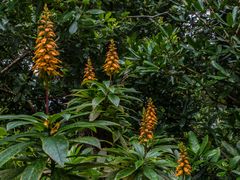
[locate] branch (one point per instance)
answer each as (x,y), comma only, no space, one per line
(19,58)
(148,16)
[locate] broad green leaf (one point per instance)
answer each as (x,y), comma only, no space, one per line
(73,28)
(10,174)
(236,172)
(56,147)
(230,149)
(153,153)
(96,101)
(94,114)
(193,142)
(34,171)
(220,68)
(234,162)
(213,155)
(15,124)
(138,163)
(11,151)
(124,173)
(203,145)
(114,99)
(95,11)
(139,148)
(88,140)
(41,115)
(150,173)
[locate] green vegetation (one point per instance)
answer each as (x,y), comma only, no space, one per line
(99,89)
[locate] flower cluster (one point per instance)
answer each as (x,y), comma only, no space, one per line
(148,122)
(89,73)
(52,127)
(183,168)
(111,65)
(45,53)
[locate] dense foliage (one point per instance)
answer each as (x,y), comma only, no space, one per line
(161,74)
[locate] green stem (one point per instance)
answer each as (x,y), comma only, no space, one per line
(46,97)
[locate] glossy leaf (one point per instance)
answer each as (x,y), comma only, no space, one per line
(56,147)
(88,140)
(34,170)
(150,173)
(124,173)
(114,99)
(11,151)
(193,142)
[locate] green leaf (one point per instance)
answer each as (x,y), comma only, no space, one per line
(229,19)
(15,124)
(193,142)
(10,174)
(231,150)
(20,117)
(139,149)
(150,173)
(41,115)
(138,163)
(236,172)
(96,101)
(213,155)
(56,147)
(11,151)
(100,124)
(220,68)
(34,170)
(114,99)
(88,140)
(94,114)
(73,28)
(234,162)
(203,145)
(95,11)
(234,14)
(3,131)
(124,173)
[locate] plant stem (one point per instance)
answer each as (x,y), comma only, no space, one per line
(111,81)
(46,97)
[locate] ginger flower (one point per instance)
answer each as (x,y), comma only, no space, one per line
(148,122)
(184,167)
(46,63)
(89,73)
(111,65)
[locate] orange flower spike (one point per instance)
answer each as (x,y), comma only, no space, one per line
(111,65)
(183,168)
(46,63)
(89,73)
(148,122)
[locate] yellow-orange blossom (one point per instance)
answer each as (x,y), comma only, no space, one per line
(111,65)
(148,122)
(184,167)
(89,73)
(46,63)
